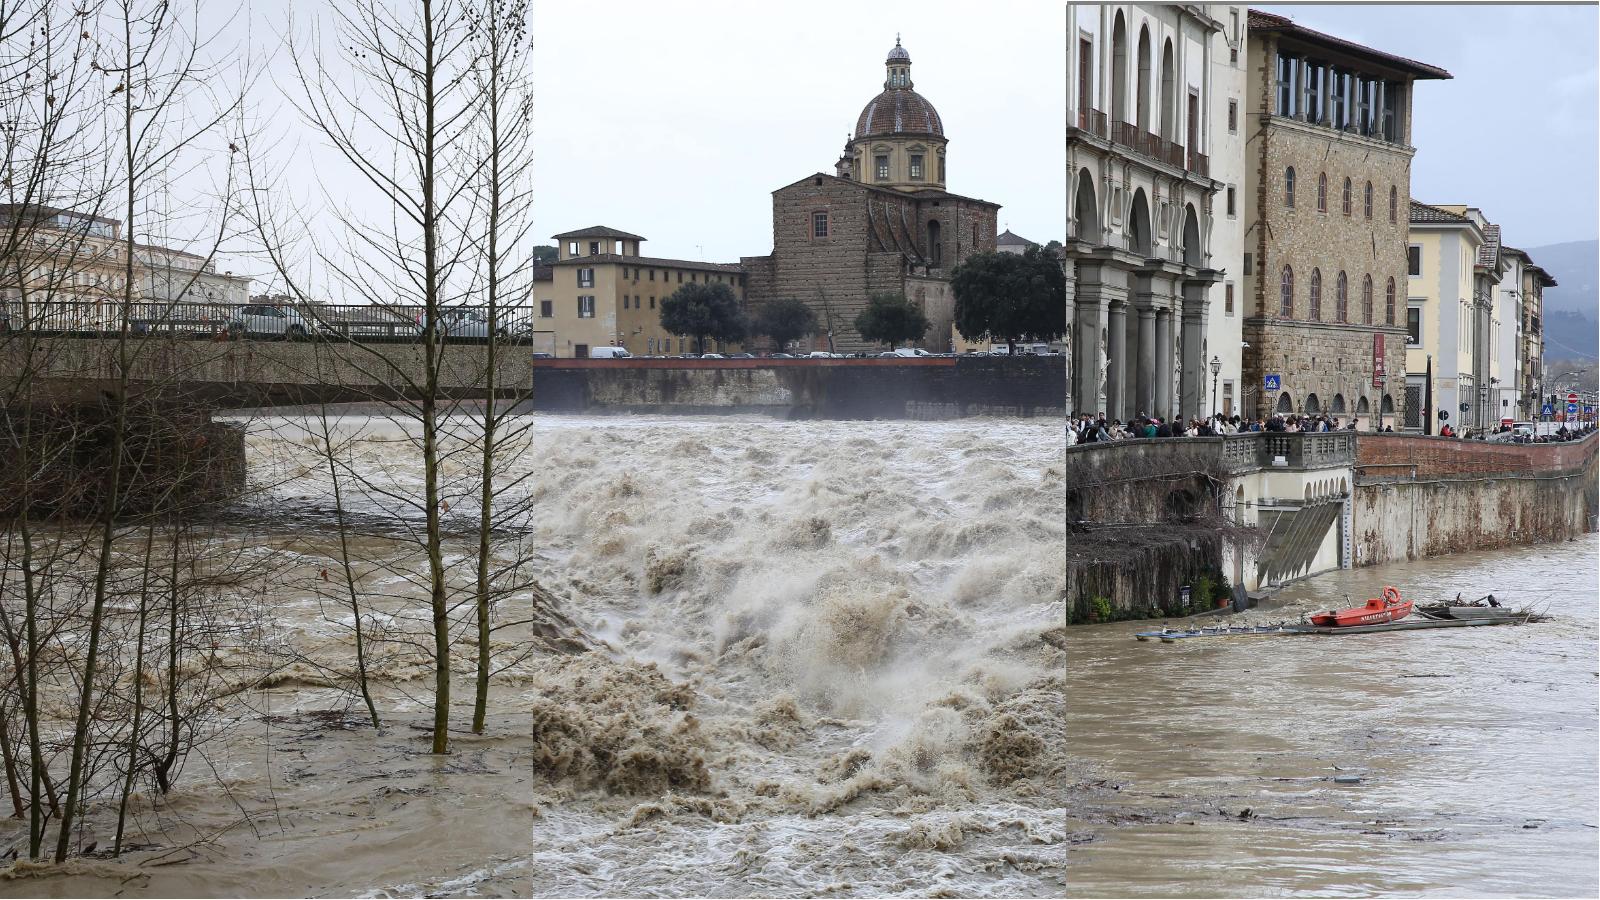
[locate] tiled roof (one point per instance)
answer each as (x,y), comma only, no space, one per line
(1257,20)
(1489,252)
(543,273)
(1422,213)
(898,111)
(597,231)
(649,261)
(1008,239)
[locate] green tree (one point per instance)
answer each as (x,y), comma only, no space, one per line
(1053,248)
(1009,297)
(891,319)
(785,320)
(704,311)
(545,254)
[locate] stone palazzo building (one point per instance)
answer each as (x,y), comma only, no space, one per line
(1145,84)
(883,222)
(1326,222)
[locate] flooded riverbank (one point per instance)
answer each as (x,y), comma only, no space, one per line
(1205,768)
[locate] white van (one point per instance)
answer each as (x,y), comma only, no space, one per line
(609,353)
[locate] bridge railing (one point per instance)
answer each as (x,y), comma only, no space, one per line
(1238,453)
(389,323)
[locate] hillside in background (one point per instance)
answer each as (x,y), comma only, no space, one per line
(1572,308)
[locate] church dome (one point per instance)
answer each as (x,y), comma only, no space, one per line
(898,111)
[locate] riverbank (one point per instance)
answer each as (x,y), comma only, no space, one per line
(1205,769)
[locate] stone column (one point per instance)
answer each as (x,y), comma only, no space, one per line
(1163,370)
(1145,400)
(1089,359)
(1117,372)
(1195,372)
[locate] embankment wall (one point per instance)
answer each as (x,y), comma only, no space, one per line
(1419,497)
(931,388)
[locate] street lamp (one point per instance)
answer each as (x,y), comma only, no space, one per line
(1216,369)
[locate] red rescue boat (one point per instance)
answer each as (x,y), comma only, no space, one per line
(1377,611)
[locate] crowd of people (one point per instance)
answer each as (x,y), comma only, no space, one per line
(1087,429)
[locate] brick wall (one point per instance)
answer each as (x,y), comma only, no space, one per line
(1389,456)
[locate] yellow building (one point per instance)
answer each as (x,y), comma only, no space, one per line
(1455,265)
(601,293)
(61,270)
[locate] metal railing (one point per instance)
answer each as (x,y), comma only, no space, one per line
(387,323)
(1093,121)
(1153,146)
(1240,453)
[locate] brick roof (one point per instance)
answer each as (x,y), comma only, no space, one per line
(1423,214)
(1257,20)
(898,111)
(927,194)
(649,261)
(597,231)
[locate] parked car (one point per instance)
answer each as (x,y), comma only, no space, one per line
(609,353)
(540,354)
(713,356)
(741,356)
(464,323)
(259,320)
(823,354)
(911,352)
(781,356)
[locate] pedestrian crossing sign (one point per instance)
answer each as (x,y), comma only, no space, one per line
(1272,382)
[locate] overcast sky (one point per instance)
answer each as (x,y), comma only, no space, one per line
(676,121)
(1514,132)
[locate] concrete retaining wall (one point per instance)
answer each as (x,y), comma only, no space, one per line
(1419,497)
(934,388)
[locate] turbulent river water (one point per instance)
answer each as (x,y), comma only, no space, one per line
(1204,768)
(825,659)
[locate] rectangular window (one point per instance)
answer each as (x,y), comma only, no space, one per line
(585,278)
(916,167)
(1233,117)
(1227,398)
(882,165)
(1414,260)
(594,248)
(1341,104)
(652,303)
(652,274)
(819,224)
(1288,69)
(1315,73)
(572,248)
(1231,208)
(680,278)
(586,307)
(1413,327)
(617,248)
(1391,105)
(1247,260)
(1227,299)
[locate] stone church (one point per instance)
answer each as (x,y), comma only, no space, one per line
(882,223)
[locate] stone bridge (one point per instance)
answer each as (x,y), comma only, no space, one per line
(233,374)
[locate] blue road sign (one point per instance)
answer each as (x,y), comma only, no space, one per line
(1572,408)
(1272,382)
(1547,410)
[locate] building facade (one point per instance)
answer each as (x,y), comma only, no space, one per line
(175,276)
(1534,280)
(61,269)
(1144,266)
(1453,266)
(1328,182)
(601,292)
(882,223)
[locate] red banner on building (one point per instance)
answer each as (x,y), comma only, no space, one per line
(1378,371)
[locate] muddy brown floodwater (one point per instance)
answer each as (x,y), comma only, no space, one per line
(1204,768)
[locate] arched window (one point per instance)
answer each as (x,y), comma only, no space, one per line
(1286,294)
(1315,313)
(1288,187)
(1341,299)
(1366,203)
(1388,303)
(1366,299)
(1394,203)
(1313,405)
(1322,192)
(1347,196)
(1119,70)
(1285,403)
